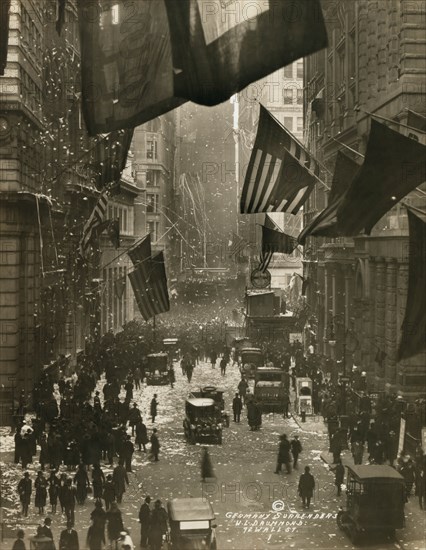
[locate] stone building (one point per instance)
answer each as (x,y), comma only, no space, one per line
(375,63)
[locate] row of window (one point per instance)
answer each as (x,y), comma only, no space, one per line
(294,68)
(124,214)
(30,92)
(114,306)
(294,124)
(153,227)
(291,96)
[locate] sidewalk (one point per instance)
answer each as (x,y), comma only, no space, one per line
(313,423)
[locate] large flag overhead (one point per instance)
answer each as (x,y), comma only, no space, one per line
(281,173)
(220,47)
(143,58)
(126,63)
(393,166)
(111,152)
(149,283)
(324,224)
(413,338)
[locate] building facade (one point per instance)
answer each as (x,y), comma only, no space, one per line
(357,288)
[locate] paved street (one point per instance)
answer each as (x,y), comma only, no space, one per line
(255,508)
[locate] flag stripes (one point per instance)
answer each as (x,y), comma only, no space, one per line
(281,173)
(238,245)
(95,220)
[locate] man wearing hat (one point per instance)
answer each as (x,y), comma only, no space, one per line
(25,487)
(283,455)
(68,539)
(145,521)
(296,449)
(46,530)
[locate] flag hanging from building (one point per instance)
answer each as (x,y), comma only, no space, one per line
(237,246)
(4,33)
(414,325)
(149,283)
(126,63)
(324,224)
(393,166)
(111,152)
(141,252)
(142,59)
(274,240)
(281,173)
(96,219)
(220,47)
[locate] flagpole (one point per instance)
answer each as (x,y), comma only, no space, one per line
(390,120)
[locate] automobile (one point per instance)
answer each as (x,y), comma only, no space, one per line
(269,389)
(203,420)
(191,524)
(250,359)
(375,499)
(157,371)
(171,347)
(217,396)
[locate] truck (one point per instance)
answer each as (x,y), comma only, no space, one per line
(269,389)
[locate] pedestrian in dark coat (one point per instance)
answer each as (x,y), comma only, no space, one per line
(96,536)
(134,417)
(283,455)
(98,481)
(25,487)
(44,451)
(339,476)
(69,499)
(237,407)
(19,543)
(46,530)
(155,445)
(127,453)
(296,449)
(120,480)
(154,407)
(68,539)
(145,521)
(18,446)
(62,487)
(306,487)
(158,526)
(109,492)
(40,486)
(141,435)
(242,388)
(115,522)
(81,479)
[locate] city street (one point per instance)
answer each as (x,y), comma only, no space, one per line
(255,508)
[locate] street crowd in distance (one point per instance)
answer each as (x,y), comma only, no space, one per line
(75,425)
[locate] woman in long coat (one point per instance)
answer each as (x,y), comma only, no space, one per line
(141,435)
(40,485)
(98,480)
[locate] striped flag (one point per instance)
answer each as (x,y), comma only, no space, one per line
(141,252)
(237,246)
(111,156)
(149,283)
(274,240)
(96,219)
(281,173)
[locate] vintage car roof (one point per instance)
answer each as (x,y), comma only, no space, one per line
(201,401)
(274,370)
(374,471)
(250,350)
(162,354)
(190,509)
(170,340)
(269,384)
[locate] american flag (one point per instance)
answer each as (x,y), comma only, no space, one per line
(281,173)
(237,246)
(96,219)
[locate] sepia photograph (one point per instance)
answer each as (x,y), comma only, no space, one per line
(212,274)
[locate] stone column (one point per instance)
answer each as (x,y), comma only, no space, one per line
(401,302)
(380,318)
(390,323)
